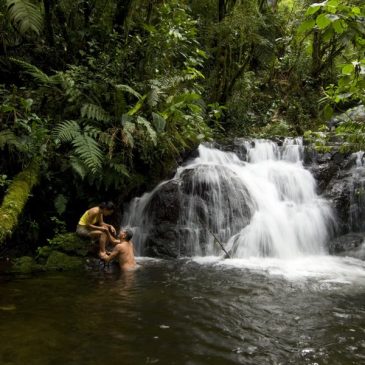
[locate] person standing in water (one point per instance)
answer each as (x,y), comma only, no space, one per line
(91,224)
(123,250)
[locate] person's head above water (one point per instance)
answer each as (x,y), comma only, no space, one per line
(126,234)
(107,208)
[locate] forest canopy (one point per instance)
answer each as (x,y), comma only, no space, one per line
(104,97)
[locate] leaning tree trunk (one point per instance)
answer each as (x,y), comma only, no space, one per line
(15,199)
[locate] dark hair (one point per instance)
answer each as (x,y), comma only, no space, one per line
(107,205)
(128,234)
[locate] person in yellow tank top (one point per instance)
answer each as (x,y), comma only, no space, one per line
(91,224)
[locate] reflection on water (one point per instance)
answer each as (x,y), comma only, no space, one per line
(183,313)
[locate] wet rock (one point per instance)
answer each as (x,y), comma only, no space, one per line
(346,243)
(165,204)
(163,241)
(70,243)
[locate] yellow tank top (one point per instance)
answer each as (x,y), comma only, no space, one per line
(84,220)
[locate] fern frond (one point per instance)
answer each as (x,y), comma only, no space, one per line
(89,152)
(66,131)
(8,138)
(25,16)
(35,72)
(78,166)
(68,85)
(151,133)
(95,112)
(153,96)
(128,89)
(120,168)
(92,131)
(127,133)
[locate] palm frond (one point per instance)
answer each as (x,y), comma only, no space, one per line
(25,16)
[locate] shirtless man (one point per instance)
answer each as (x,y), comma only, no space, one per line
(123,251)
(91,224)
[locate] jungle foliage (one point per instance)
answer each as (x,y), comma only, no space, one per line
(108,96)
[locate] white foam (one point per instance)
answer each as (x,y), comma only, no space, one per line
(326,269)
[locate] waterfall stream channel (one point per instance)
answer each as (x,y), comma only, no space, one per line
(280,297)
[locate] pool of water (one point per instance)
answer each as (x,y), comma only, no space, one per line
(189,311)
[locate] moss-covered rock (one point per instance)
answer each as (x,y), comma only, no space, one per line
(60,261)
(25,265)
(71,243)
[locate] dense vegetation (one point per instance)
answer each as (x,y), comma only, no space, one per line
(102,98)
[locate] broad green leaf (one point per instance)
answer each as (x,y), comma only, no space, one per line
(322,21)
(306,25)
(356,10)
(60,203)
(337,26)
(158,122)
(313,9)
(348,69)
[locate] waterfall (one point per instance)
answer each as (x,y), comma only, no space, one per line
(261,204)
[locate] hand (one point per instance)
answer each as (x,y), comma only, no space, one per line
(103,255)
(112,230)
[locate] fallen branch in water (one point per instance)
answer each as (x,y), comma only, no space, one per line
(216,239)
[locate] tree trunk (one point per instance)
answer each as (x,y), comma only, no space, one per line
(121,14)
(16,197)
(48,22)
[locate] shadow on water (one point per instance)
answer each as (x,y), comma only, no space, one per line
(180,313)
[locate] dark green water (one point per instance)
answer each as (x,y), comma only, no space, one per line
(180,313)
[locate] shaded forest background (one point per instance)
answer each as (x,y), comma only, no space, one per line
(101,99)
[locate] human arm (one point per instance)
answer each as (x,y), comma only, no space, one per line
(120,249)
(109,227)
(111,238)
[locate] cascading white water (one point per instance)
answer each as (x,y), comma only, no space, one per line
(264,206)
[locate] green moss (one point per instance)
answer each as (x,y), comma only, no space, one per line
(70,243)
(61,261)
(25,265)
(15,199)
